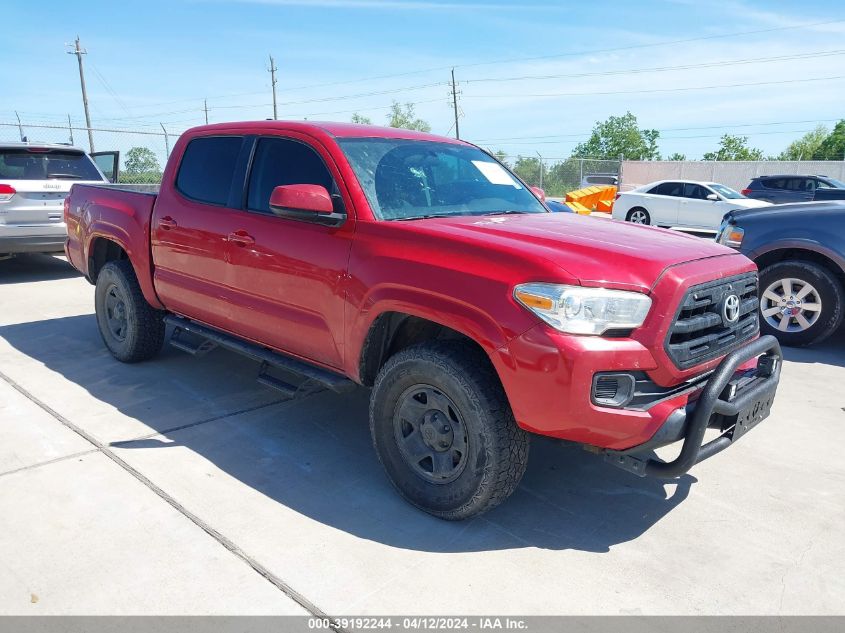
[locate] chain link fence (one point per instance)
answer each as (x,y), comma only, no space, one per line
(143,152)
(735,174)
(557,177)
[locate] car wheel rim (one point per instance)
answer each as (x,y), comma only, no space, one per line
(115,313)
(431,434)
(791,305)
(638,217)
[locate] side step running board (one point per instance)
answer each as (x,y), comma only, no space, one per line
(268,358)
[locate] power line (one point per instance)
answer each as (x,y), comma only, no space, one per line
(653,45)
(668,129)
(656,90)
(631,71)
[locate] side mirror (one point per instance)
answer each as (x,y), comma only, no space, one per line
(540,193)
(712,197)
(308,198)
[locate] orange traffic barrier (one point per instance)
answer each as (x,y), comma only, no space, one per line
(591,199)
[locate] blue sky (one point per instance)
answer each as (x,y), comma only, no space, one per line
(155,61)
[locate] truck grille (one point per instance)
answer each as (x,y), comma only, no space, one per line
(704,326)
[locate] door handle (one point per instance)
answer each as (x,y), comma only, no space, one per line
(241,238)
(167,223)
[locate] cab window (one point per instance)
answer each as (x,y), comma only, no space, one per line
(280,161)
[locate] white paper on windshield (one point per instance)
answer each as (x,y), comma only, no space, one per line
(495,173)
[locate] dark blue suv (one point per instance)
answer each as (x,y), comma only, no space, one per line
(792,188)
(800,251)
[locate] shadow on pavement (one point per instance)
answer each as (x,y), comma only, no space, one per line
(314,454)
(25,268)
(829,352)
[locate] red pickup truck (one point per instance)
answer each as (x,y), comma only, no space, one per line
(420,267)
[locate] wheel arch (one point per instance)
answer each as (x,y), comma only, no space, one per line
(799,252)
(392,331)
(103,248)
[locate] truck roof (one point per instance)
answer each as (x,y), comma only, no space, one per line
(333,128)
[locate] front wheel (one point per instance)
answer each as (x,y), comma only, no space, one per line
(131,328)
(801,303)
(444,432)
(638,215)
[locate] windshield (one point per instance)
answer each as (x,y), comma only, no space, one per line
(44,164)
(406,180)
(837,184)
(726,192)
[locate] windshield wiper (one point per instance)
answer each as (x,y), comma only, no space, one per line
(508,212)
(424,217)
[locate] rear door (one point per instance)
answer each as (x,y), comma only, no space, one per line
(785,189)
(192,219)
(663,201)
(289,274)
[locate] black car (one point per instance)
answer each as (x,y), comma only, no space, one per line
(800,251)
(792,188)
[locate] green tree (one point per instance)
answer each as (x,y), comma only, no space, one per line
(500,156)
(361,119)
(734,148)
(404,117)
(805,147)
(833,146)
(676,156)
(619,136)
(140,166)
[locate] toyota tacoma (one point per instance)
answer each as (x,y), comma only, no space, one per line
(420,267)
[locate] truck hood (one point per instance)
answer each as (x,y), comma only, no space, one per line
(593,251)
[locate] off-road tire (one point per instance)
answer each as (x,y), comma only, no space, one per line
(830,293)
(496,448)
(144,325)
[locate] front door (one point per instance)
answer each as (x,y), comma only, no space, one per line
(290,274)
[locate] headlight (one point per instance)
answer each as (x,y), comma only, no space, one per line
(730,235)
(580,310)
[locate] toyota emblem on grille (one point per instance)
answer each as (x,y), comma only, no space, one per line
(730,309)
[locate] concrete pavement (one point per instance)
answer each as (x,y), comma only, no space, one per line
(182,486)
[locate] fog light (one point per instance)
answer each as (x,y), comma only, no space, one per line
(613,390)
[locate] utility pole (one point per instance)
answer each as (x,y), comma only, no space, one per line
(20,127)
(273,70)
(205,107)
(79,52)
(541,170)
(455,106)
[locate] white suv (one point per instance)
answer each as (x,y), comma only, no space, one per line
(34,181)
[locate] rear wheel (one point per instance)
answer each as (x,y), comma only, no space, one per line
(131,328)
(801,303)
(444,432)
(638,215)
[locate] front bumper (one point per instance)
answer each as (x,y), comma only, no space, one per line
(733,401)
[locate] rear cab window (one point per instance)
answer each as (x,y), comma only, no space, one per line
(208,167)
(34,163)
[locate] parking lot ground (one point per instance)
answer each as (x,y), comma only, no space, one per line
(180,485)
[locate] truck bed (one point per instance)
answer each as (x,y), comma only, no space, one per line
(121,214)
